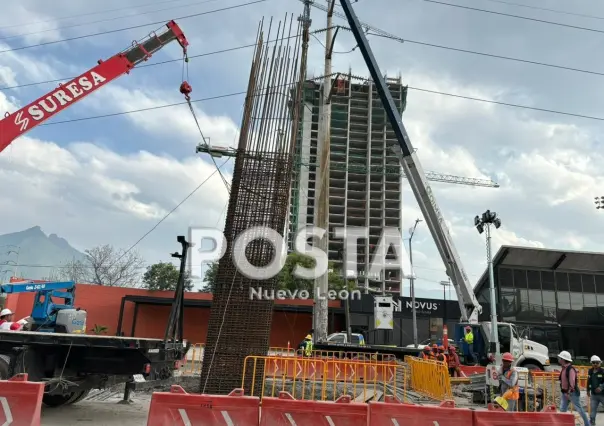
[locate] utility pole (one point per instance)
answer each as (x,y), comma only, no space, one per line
(322,208)
(306,21)
(483,223)
(412,282)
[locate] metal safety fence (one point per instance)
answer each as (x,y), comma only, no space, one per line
(323,379)
(193,359)
(539,389)
(430,378)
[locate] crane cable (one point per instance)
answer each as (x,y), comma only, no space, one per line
(186,89)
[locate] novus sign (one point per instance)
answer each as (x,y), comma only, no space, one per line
(423,307)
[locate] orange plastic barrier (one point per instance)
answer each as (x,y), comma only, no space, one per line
(178,408)
(294,368)
(549,416)
(394,412)
(285,410)
(20,401)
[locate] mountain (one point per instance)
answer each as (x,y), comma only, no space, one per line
(37,255)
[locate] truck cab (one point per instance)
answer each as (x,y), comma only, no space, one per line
(342,338)
(527,353)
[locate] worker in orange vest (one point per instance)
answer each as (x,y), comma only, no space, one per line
(453,361)
(440,355)
(508,378)
(426,353)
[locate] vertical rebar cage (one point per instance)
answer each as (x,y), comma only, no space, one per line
(238,325)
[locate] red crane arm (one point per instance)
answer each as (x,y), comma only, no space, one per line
(18,123)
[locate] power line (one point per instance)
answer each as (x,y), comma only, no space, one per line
(243,92)
(509,15)
(563,12)
(131,27)
(105,20)
(169,213)
(490,55)
(98,12)
(384,35)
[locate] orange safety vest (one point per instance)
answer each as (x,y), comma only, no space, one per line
(513,393)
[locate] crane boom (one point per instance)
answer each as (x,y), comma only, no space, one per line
(470,308)
(18,123)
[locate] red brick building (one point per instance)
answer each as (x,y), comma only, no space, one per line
(144,313)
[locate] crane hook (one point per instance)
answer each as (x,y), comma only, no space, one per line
(186,89)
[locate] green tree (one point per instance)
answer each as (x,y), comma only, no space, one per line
(289,281)
(164,276)
(210,278)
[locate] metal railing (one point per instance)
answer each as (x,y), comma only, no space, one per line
(430,378)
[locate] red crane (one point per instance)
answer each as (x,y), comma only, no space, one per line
(18,123)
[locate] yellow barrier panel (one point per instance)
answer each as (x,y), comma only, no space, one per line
(324,379)
(360,356)
(364,380)
(430,378)
(549,386)
(301,377)
(193,359)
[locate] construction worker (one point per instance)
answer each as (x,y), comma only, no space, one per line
(426,353)
(508,379)
(595,387)
(306,346)
(6,321)
(468,338)
(569,385)
(440,354)
(453,361)
(434,351)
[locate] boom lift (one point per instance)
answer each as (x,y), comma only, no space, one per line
(18,123)
(46,315)
(527,353)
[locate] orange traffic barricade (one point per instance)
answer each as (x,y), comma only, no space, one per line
(393,412)
(549,416)
(20,401)
(285,410)
(179,408)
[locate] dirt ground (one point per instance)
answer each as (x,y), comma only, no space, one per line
(100,413)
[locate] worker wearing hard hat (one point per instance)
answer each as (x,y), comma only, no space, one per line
(595,387)
(440,354)
(426,353)
(508,379)
(6,321)
(569,385)
(453,361)
(468,338)
(306,346)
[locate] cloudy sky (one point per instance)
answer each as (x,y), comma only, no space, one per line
(110,180)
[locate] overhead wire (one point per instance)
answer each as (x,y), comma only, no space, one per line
(181,18)
(98,12)
(509,15)
(563,12)
(243,92)
(115,18)
(167,215)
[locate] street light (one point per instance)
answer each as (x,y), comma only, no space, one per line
(599,202)
(412,282)
(483,223)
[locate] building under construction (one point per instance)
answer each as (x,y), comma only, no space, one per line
(365,176)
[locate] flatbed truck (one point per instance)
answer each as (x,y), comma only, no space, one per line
(72,364)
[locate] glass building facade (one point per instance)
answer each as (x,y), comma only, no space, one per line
(563,310)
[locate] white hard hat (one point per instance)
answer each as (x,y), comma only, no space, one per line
(595,358)
(5,312)
(565,356)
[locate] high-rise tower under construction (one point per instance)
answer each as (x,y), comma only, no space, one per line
(365,176)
